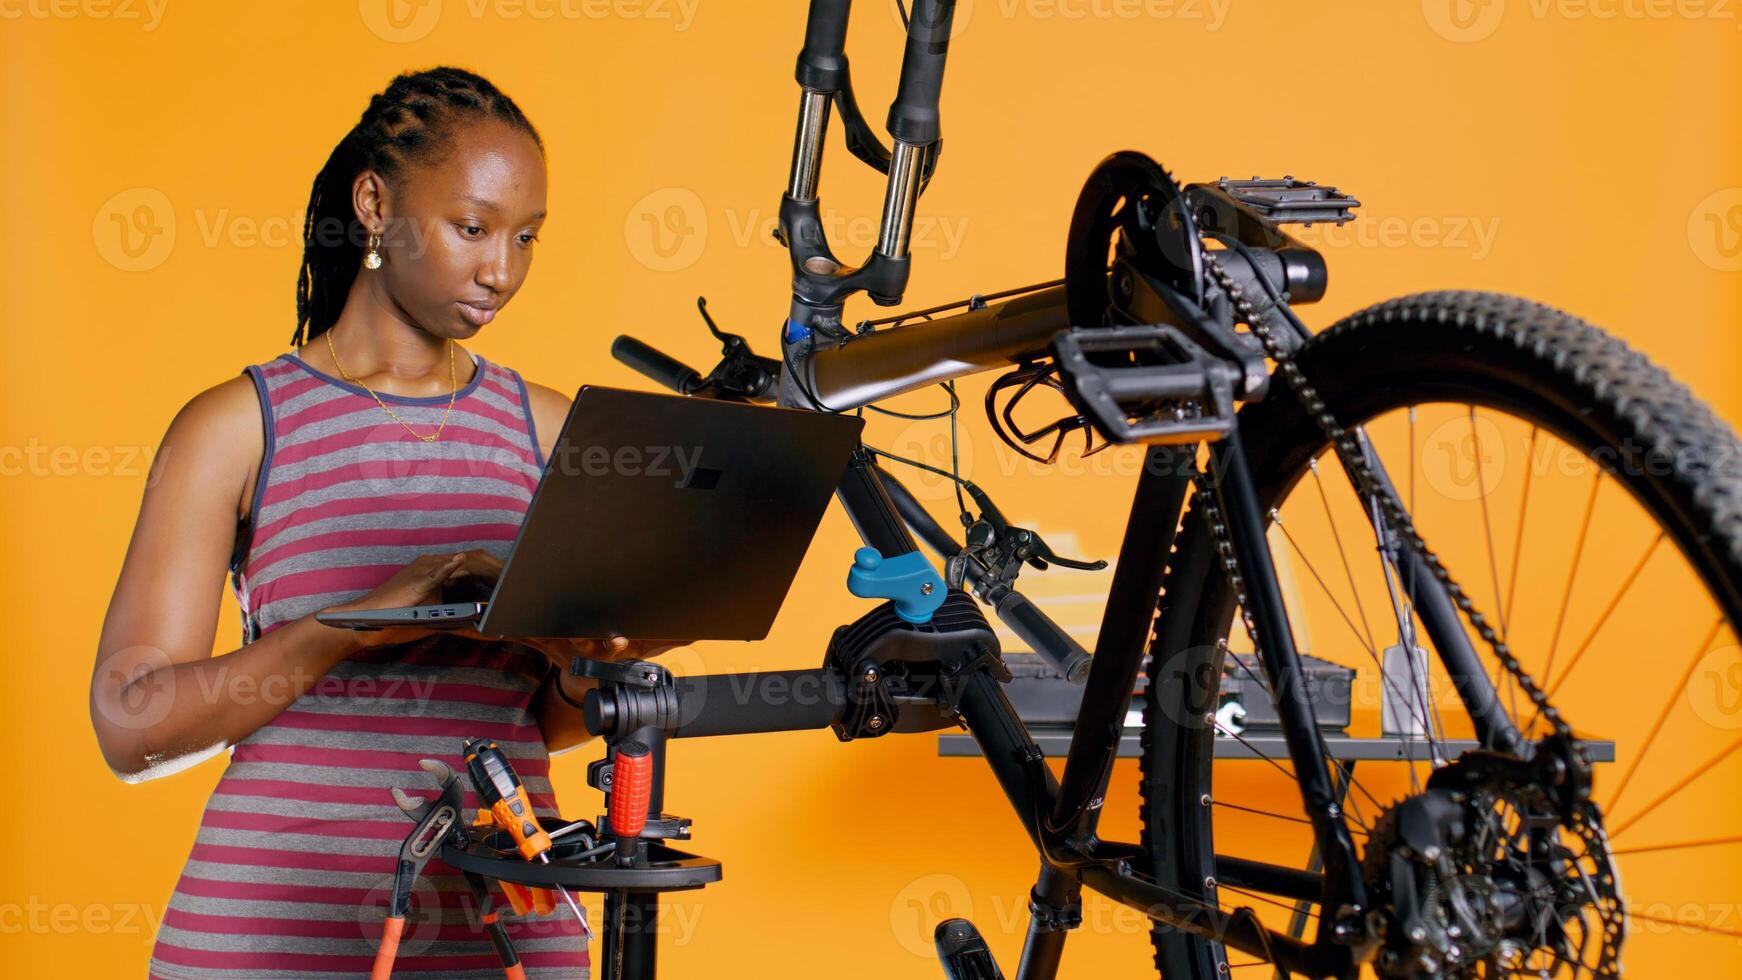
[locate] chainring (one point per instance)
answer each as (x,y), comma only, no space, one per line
(1131,209)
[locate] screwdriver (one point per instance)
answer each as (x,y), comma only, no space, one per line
(500,790)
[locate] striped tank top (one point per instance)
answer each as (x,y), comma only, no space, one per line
(294,859)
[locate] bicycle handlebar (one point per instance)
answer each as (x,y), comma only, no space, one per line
(656,364)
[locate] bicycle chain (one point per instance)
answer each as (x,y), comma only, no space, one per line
(1586,819)
(1349,453)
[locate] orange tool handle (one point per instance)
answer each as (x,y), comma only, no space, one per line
(389,948)
(521,898)
(631,788)
(499,788)
(514,814)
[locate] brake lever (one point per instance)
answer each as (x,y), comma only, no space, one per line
(1024,544)
(741,373)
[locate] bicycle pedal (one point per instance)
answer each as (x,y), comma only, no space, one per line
(964,953)
(1290,201)
(1148,384)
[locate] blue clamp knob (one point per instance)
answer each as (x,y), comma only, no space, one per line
(916,587)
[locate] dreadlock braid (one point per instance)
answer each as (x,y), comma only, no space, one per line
(413,122)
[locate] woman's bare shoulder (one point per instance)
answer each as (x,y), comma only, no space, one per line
(550,408)
(220,433)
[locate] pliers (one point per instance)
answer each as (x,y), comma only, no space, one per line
(437,823)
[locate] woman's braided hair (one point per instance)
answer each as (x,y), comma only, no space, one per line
(412,122)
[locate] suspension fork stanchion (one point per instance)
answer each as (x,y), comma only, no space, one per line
(822,66)
(913,121)
(1131,604)
(1344,900)
(821,282)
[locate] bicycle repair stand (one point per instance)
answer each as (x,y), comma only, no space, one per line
(899,667)
(627,857)
(910,664)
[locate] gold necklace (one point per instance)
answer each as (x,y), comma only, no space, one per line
(453,378)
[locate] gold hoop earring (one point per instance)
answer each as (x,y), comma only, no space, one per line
(372,258)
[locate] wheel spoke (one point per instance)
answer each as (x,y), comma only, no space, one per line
(1572,573)
(1487,524)
(1365,642)
(1663,714)
(1608,609)
(1678,845)
(1359,831)
(1668,794)
(1347,569)
(1685,924)
(1384,679)
(1518,537)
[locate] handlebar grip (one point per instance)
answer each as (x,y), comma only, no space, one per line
(913,116)
(719,704)
(1043,636)
(822,62)
(666,370)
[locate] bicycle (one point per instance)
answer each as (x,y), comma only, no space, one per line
(1174,327)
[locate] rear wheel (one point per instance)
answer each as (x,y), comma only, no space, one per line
(1591,508)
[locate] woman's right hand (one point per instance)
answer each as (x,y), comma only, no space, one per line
(420,584)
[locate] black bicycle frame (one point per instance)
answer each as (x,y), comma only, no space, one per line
(1060,815)
(826,370)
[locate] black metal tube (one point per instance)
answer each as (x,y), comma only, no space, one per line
(630,945)
(913,116)
(1240,929)
(1017,763)
(1271,879)
(1445,627)
(1044,945)
(1034,627)
(1131,601)
(888,362)
(1246,527)
(916,516)
(822,61)
(873,514)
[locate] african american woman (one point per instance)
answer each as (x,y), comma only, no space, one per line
(372,465)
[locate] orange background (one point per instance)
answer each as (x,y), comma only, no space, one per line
(1590,162)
